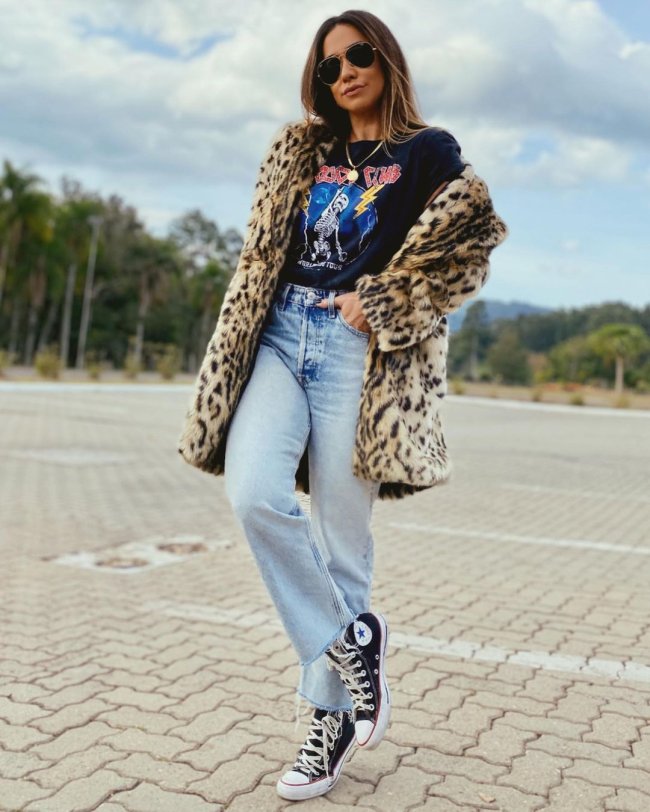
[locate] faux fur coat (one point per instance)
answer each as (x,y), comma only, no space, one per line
(442,262)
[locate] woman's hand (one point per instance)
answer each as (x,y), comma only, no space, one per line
(350,307)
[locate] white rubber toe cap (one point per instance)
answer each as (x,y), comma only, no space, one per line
(294,786)
(293,777)
(363,729)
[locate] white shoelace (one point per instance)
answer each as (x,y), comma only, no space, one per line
(346,666)
(324,731)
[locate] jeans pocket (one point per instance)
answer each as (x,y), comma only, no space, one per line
(349,327)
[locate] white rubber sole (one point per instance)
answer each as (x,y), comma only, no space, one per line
(301,792)
(383,717)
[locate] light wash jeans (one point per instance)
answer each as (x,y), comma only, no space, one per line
(305,388)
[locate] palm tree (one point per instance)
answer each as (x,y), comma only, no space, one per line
(72,237)
(154,261)
(620,343)
(94,221)
(22,206)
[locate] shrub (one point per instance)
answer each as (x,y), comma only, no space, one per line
(168,363)
(6,359)
(457,386)
(131,367)
(577,399)
(93,366)
(48,363)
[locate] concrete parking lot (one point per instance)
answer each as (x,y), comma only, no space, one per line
(142,667)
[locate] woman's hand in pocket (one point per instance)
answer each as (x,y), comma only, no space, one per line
(350,307)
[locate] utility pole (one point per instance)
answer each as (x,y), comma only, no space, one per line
(95,221)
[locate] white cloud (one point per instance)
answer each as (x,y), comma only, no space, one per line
(630,49)
(495,72)
(547,98)
(540,93)
(576,160)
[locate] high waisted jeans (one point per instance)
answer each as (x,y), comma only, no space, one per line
(305,388)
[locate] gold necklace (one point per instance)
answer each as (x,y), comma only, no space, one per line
(353,174)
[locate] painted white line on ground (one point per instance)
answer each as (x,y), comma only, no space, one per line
(458,649)
(73,456)
(26,387)
(213,614)
(613,497)
(592,411)
(512,537)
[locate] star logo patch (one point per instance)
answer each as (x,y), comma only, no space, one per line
(362,633)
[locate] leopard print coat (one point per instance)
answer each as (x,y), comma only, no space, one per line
(442,262)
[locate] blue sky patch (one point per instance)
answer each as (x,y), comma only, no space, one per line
(140,42)
(535,145)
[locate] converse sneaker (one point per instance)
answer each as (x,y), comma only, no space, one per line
(359,656)
(329,742)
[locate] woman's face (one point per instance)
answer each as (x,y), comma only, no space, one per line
(368,81)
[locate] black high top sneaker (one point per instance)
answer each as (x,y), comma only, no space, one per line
(358,655)
(329,742)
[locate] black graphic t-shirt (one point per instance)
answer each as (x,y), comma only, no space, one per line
(349,228)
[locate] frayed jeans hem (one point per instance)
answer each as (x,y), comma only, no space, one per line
(329,643)
(321,706)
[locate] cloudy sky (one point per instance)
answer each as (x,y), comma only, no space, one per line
(172,103)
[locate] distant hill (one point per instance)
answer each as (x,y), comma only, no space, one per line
(496,310)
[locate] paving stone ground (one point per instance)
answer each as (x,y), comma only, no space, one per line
(517,598)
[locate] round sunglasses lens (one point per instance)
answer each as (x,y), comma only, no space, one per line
(361,55)
(329,69)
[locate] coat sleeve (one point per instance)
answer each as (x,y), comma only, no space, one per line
(442,262)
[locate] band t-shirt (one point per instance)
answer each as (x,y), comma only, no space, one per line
(345,228)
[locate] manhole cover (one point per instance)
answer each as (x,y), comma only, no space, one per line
(139,556)
(183,548)
(122,563)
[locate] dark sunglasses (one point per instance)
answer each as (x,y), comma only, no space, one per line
(359,54)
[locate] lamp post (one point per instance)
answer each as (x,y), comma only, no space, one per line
(95,221)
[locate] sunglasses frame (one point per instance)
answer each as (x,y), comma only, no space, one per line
(340,60)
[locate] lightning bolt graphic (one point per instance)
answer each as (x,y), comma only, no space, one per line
(366,199)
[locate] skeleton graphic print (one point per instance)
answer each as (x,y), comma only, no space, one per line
(336,227)
(327,228)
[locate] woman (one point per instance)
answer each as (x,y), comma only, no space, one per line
(327,365)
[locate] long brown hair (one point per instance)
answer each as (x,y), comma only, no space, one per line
(399,115)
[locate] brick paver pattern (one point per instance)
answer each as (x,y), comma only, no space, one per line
(517,598)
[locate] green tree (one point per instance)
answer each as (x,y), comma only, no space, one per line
(21,208)
(471,341)
(25,230)
(571,360)
(508,359)
(154,261)
(210,257)
(619,343)
(35,267)
(72,235)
